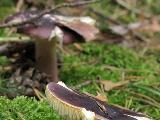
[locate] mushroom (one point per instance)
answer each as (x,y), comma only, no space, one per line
(50,29)
(77,106)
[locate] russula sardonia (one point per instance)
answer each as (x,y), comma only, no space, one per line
(50,29)
(73,105)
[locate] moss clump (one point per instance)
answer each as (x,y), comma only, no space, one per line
(107,62)
(23,108)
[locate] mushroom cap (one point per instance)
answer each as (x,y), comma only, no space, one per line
(70,103)
(79,28)
(40,28)
(84,26)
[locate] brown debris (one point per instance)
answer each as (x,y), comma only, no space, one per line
(26,81)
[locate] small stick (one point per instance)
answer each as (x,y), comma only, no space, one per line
(13,39)
(39,94)
(19,6)
(85,83)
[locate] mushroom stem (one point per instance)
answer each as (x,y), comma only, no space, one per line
(46,58)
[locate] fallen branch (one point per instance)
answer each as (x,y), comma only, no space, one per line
(63,5)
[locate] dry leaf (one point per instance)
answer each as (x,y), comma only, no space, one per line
(101,97)
(109,85)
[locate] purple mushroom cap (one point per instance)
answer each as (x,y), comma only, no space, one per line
(97,106)
(74,31)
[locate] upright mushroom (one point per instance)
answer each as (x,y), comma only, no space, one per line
(50,29)
(77,106)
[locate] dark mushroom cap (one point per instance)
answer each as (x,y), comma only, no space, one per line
(42,28)
(100,108)
(84,26)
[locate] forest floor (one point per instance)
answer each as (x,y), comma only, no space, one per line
(127,69)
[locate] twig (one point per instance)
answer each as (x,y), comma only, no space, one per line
(63,5)
(13,39)
(82,84)
(39,94)
(19,6)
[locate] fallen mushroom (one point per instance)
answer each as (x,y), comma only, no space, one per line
(73,105)
(50,29)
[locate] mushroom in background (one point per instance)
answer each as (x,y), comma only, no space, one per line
(50,29)
(77,106)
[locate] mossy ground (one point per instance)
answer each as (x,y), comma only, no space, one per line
(93,64)
(97,61)
(23,108)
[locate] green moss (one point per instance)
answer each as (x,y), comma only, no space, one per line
(3,60)
(109,62)
(98,61)
(6,12)
(6,3)
(23,108)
